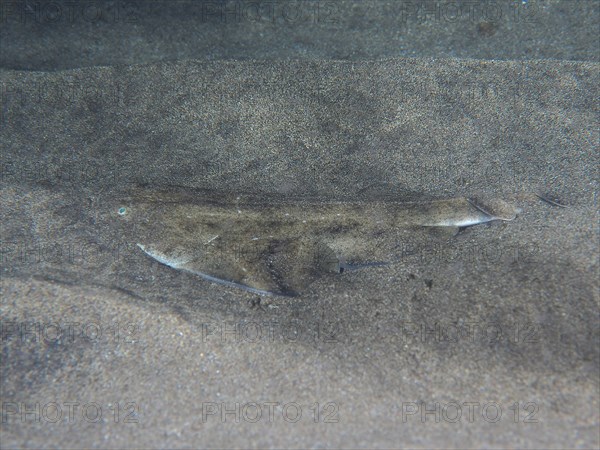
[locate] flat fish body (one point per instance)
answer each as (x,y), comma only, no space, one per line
(277,247)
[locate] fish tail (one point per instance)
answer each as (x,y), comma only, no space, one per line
(496,209)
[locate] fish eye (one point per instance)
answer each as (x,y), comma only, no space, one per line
(122,211)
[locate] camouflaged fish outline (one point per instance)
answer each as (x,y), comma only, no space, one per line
(279,248)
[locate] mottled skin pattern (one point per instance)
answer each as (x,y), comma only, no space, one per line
(279,247)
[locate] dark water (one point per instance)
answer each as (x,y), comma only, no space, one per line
(487,336)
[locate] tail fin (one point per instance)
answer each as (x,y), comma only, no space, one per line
(495,208)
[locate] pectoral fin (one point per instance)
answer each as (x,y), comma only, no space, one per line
(266,267)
